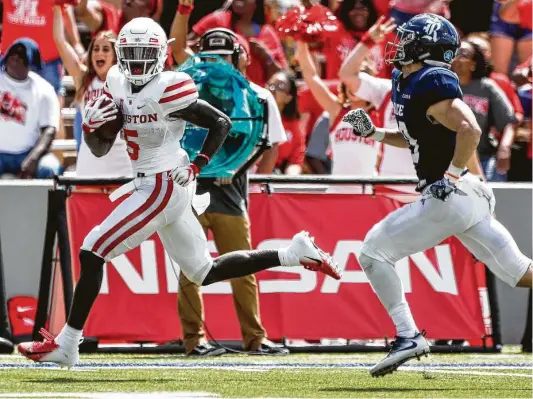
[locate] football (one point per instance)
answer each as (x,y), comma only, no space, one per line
(109,130)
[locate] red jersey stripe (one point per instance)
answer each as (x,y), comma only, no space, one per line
(149,202)
(178,85)
(177,96)
(143,222)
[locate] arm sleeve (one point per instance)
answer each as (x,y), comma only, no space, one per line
(180,92)
(276,132)
(49,108)
(373,90)
(499,107)
(319,140)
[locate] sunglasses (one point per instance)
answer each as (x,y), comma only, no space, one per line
(277,87)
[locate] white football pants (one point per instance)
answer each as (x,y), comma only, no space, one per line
(159,205)
(428,221)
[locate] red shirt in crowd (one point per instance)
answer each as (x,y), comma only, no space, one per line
(23,19)
(337,48)
(505,84)
(525,11)
(382,6)
(291,152)
(265,34)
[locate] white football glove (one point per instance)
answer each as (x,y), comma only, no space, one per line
(94,116)
(360,121)
(184,175)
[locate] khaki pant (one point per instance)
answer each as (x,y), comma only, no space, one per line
(231,233)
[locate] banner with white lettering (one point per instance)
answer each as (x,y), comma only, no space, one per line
(138,300)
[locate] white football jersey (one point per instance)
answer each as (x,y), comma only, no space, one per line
(152,138)
(116,163)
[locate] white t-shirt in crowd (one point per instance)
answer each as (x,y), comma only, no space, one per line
(25,108)
(395,160)
(352,155)
(276,131)
(116,163)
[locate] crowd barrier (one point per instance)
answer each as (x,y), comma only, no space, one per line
(445,288)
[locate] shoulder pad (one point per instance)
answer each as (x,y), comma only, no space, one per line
(178,91)
(436,84)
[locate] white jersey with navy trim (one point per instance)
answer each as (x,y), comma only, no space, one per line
(152,138)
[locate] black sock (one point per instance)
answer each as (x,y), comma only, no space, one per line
(241,263)
(87,289)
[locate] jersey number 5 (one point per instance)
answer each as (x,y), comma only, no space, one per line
(413,144)
(133,147)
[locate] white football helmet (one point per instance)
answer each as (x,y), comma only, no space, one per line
(141,49)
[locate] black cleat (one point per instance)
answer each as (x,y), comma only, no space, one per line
(402,350)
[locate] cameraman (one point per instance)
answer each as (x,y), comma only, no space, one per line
(227,215)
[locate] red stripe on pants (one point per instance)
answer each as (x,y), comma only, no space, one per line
(149,202)
(135,228)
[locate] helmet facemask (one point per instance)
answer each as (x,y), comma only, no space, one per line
(140,62)
(396,52)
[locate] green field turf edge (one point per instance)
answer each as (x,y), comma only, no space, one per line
(310,383)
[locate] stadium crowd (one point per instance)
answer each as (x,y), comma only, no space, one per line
(314,82)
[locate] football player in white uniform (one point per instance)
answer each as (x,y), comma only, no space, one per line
(155,107)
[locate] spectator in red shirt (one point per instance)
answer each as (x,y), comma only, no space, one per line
(356,16)
(247,18)
(100,15)
(34,21)
(291,154)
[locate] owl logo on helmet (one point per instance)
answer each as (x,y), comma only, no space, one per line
(141,50)
(426,38)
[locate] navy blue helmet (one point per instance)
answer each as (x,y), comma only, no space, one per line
(427,38)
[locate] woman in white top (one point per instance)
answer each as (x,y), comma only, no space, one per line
(394,160)
(89,79)
(350,155)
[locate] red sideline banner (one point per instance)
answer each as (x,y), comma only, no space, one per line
(138,300)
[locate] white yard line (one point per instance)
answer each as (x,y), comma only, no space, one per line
(467,372)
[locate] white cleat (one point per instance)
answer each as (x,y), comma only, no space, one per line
(49,351)
(311,257)
(402,350)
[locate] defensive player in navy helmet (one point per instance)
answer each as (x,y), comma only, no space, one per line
(442,134)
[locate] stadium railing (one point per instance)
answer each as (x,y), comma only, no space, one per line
(56,228)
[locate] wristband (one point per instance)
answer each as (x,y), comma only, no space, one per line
(378,136)
(185,10)
(454,172)
(195,169)
(367,40)
(86,129)
(207,159)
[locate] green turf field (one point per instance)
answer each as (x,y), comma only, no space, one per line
(506,375)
